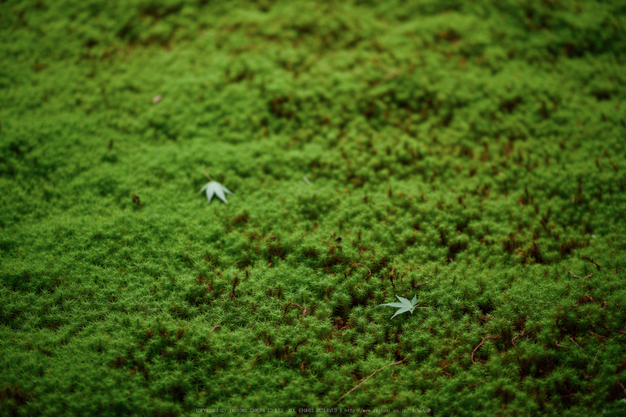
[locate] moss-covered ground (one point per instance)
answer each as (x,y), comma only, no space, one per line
(470,153)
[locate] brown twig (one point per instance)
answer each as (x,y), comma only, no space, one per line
(369,275)
(596,357)
(557,345)
(576,276)
(232,295)
(574,342)
(443,368)
(365,379)
(592,261)
(599,336)
(481,343)
(475,384)
(519,335)
(302,366)
(214,327)
(7,289)
(620,384)
(297,305)
(232,292)
(419,285)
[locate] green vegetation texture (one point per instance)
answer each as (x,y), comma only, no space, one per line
(478,147)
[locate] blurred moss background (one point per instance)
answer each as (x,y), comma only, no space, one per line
(472,153)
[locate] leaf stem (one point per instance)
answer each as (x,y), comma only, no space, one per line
(207,175)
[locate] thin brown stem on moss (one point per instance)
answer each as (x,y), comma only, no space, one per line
(475,384)
(574,342)
(482,342)
(7,289)
(365,379)
(519,335)
(596,357)
(369,275)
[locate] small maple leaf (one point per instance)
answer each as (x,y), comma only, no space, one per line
(214,187)
(404,305)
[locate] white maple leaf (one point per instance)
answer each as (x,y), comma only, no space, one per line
(404,305)
(214,187)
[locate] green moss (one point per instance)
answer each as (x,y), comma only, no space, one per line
(474,147)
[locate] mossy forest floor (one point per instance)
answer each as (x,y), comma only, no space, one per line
(470,153)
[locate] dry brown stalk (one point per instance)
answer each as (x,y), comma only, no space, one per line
(443,365)
(369,275)
(596,357)
(302,366)
(599,336)
(481,343)
(475,384)
(519,335)
(365,379)
(297,305)
(574,342)
(7,289)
